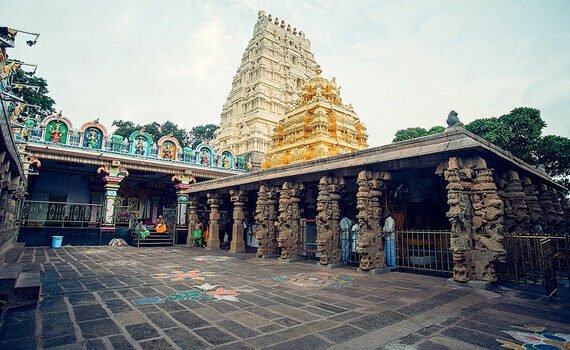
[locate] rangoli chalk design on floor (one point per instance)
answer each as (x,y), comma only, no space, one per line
(309,279)
(95,251)
(121,262)
(184,275)
(209,292)
(535,338)
(213,258)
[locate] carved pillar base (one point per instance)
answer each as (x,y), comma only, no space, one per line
(214,201)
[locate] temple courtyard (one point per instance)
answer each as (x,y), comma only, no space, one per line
(191,298)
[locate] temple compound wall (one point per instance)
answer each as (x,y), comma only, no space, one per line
(453,181)
(13,167)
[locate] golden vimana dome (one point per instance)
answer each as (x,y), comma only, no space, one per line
(316,125)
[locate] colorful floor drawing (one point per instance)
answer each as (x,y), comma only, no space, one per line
(121,262)
(209,292)
(213,258)
(184,275)
(95,251)
(535,338)
(310,279)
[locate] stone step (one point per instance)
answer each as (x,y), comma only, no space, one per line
(8,276)
(27,288)
(13,254)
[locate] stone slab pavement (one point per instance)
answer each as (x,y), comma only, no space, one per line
(191,298)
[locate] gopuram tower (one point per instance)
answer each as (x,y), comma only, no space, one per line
(317,125)
(274,65)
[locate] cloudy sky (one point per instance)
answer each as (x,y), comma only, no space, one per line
(400,63)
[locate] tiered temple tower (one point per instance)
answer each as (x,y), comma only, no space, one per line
(317,125)
(275,63)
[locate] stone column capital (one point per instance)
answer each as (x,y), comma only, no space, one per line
(214,199)
(238,197)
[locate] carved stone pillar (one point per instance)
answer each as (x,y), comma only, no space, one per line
(370,241)
(460,214)
(535,212)
(265,218)
(548,211)
(516,209)
(238,198)
(557,207)
(488,223)
(192,217)
(289,225)
(328,221)
(214,200)
(112,177)
(566,210)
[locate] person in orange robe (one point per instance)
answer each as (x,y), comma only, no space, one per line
(160,225)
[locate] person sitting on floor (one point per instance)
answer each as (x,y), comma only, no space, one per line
(160,225)
(141,230)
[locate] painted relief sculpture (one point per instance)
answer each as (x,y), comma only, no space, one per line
(328,220)
(289,227)
(93,134)
(168,147)
(140,142)
(265,218)
(56,128)
(370,244)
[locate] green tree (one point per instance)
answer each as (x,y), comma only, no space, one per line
(126,128)
(554,155)
(201,133)
(412,133)
(31,96)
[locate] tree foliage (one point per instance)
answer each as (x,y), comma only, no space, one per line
(38,97)
(412,133)
(126,128)
(201,133)
(519,132)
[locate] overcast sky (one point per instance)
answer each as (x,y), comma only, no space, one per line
(399,63)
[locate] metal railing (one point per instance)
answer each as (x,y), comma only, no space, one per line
(530,257)
(60,214)
(424,251)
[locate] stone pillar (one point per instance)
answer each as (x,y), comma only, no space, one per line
(370,244)
(214,200)
(265,218)
(548,211)
(517,219)
(566,210)
(535,212)
(192,217)
(182,185)
(460,214)
(557,207)
(112,176)
(488,223)
(289,226)
(328,221)
(238,198)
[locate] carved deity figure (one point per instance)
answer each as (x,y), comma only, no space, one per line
(225,161)
(140,146)
(289,231)
(167,151)
(536,218)
(204,159)
(516,209)
(370,244)
(56,134)
(328,216)
(92,139)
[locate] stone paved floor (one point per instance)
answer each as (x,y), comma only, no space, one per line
(127,298)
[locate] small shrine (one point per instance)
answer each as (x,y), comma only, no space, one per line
(317,125)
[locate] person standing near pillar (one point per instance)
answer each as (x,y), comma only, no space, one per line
(390,240)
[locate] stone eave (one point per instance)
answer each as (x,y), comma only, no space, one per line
(81,156)
(451,143)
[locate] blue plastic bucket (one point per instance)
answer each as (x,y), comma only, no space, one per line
(56,241)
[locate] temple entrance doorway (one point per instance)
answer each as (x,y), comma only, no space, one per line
(309,238)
